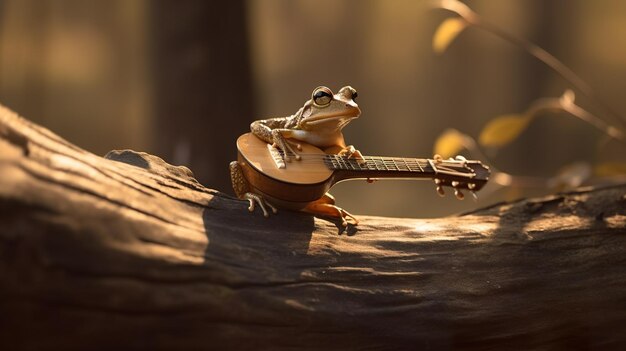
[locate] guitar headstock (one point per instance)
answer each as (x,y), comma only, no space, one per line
(459,174)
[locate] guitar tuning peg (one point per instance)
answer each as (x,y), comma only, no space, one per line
(437,158)
(460,158)
(455,184)
(440,190)
(437,181)
(471,186)
(459,195)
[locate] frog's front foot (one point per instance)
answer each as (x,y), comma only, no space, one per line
(351,152)
(288,147)
(255,199)
(326,207)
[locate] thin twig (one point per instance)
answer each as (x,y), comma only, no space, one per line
(542,55)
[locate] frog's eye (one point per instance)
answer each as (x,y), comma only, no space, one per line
(322,96)
(348,92)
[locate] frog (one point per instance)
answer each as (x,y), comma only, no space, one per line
(319,122)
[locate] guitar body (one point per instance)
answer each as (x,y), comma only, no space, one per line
(294,186)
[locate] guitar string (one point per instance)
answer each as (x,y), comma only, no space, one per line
(398,162)
(370,158)
(375,163)
(368,163)
(317,157)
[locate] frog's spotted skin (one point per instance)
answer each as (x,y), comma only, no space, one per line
(319,123)
(243,191)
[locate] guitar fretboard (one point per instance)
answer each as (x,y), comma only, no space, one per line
(375,163)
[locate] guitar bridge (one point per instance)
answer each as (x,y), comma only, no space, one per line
(276,156)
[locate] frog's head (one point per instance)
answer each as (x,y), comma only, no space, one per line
(328,112)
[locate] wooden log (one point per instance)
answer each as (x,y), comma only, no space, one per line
(130,252)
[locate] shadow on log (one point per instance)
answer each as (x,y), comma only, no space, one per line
(130,252)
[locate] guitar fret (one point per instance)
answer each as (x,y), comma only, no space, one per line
(340,162)
(345,164)
(350,163)
(410,165)
(406,164)
(362,165)
(371,165)
(416,166)
(419,166)
(333,161)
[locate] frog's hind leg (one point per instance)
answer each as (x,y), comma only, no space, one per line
(240,184)
(256,199)
(326,207)
(243,191)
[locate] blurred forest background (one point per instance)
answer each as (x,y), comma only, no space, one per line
(182,79)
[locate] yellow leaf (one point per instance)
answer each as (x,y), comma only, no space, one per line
(503,129)
(608,169)
(450,143)
(446,32)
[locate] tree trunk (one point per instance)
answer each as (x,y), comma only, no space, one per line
(130,252)
(202,46)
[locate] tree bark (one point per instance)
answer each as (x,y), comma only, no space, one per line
(131,252)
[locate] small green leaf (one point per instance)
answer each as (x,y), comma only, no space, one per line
(503,130)
(446,32)
(450,143)
(608,169)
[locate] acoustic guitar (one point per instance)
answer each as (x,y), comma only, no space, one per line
(296,183)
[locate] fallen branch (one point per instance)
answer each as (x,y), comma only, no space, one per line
(130,252)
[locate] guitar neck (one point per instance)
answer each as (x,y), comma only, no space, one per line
(380,167)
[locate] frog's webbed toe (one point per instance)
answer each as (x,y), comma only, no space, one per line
(295,144)
(255,199)
(347,217)
(351,152)
(289,148)
(328,209)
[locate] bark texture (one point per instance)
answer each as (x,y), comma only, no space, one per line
(130,252)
